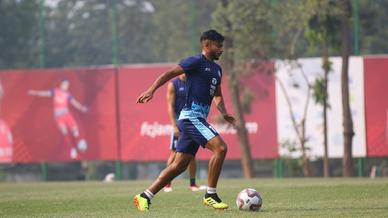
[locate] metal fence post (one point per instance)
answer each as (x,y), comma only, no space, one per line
(115,62)
(42,64)
(356,27)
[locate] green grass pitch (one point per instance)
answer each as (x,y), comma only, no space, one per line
(315,197)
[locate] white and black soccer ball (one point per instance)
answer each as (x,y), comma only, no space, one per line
(249,199)
(82,145)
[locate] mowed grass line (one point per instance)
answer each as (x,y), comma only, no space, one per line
(334,197)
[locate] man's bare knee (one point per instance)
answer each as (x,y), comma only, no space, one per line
(179,166)
(222,149)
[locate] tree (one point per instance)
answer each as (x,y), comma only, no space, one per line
(254,36)
(348,133)
(78,32)
(18,33)
(289,27)
(248,44)
(229,65)
(298,125)
(322,32)
(373,16)
(178,25)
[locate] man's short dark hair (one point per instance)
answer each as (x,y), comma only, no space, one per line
(212,35)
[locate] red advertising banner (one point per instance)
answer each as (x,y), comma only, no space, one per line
(146,129)
(58,115)
(376,105)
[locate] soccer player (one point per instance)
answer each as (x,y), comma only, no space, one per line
(176,96)
(64,119)
(6,139)
(203,78)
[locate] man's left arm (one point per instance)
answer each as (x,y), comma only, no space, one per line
(219,101)
(78,105)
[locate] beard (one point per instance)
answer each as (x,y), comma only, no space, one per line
(216,56)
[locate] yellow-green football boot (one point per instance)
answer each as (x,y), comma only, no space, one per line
(214,201)
(141,203)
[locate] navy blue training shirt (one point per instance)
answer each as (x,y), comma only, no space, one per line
(180,95)
(202,78)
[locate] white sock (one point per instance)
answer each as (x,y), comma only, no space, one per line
(149,194)
(211,190)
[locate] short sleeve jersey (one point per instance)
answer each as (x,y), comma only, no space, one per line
(202,78)
(61,99)
(180,95)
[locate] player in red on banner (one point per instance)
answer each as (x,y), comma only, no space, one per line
(64,119)
(6,140)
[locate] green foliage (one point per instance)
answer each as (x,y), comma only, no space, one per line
(247,24)
(78,32)
(320,92)
(18,33)
(293,165)
(178,26)
(323,27)
(289,22)
(373,22)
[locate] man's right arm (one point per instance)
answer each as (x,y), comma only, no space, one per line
(161,80)
(40,93)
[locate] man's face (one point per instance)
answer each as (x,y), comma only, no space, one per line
(215,49)
(65,85)
(182,77)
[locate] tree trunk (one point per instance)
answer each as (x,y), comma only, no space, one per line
(347,116)
(306,161)
(326,68)
(246,158)
(300,132)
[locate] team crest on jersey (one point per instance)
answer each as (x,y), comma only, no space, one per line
(214,81)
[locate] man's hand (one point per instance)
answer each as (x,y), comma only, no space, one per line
(145,97)
(84,109)
(230,119)
(176,132)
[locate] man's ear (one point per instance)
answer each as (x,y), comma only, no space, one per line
(205,43)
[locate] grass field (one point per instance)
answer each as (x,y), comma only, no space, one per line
(281,198)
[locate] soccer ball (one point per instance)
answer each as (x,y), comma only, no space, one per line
(82,145)
(249,199)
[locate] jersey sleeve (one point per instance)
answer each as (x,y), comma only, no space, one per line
(174,84)
(189,64)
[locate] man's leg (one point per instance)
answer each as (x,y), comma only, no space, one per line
(192,172)
(169,173)
(64,130)
(177,167)
(170,160)
(219,149)
(80,143)
(62,127)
